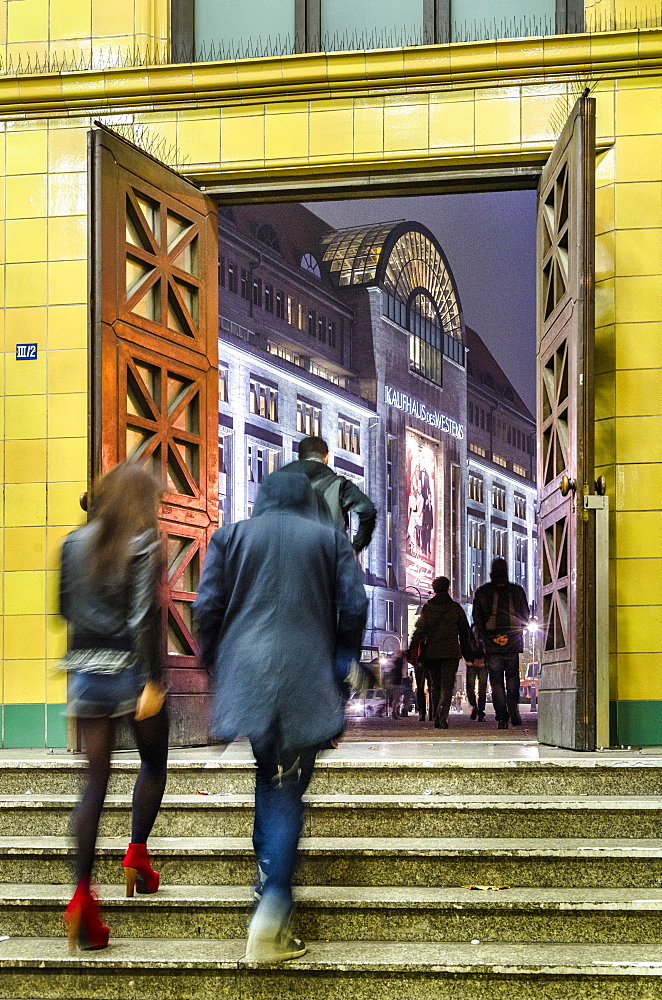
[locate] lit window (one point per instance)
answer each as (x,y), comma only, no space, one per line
(475,487)
(280,305)
(269,298)
(309,263)
(309,418)
(349,435)
(261,462)
(223,383)
(282,352)
(302,318)
(519,470)
(290,310)
(477,450)
(324,373)
(519,507)
(499,542)
(499,497)
(264,400)
(499,460)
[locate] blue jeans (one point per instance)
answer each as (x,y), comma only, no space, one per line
(476,674)
(281,780)
(505,697)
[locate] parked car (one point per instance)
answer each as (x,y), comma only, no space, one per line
(375,702)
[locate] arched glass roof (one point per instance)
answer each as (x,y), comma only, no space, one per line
(403,258)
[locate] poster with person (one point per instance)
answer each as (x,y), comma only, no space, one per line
(421,512)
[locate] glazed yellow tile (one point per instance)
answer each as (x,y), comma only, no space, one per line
(242,138)
(67,327)
(67,371)
(639,393)
(24,682)
(27,20)
(638,206)
(56,637)
(638,112)
(638,252)
(64,503)
(405,127)
(200,140)
(605,167)
(25,241)
(25,417)
(115,18)
(604,209)
(537,115)
(27,54)
(70,20)
(67,282)
(638,581)
(452,125)
(286,137)
(638,629)
(71,52)
(640,676)
(604,396)
(26,196)
(639,158)
(67,459)
(67,194)
(25,549)
(638,345)
(67,414)
(25,505)
(331,133)
(25,461)
(638,299)
(497,122)
(26,378)
(26,152)
(604,256)
(67,237)
(604,302)
(639,439)
(67,150)
(26,284)
(605,441)
(56,683)
(25,637)
(604,114)
(25,593)
(52,592)
(17,321)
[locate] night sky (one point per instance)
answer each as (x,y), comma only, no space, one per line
(489,240)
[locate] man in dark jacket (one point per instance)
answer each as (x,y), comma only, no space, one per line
(341,496)
(281,611)
(442,633)
(500,614)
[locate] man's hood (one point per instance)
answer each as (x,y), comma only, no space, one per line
(286,491)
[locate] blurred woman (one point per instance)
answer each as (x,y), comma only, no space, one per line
(108,594)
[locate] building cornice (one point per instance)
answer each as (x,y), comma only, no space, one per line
(320,76)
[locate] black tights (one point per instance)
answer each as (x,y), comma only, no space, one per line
(98,736)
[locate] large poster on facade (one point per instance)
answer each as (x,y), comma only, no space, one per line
(421,512)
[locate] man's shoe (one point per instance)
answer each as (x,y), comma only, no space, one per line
(443,725)
(502,725)
(280,948)
(516,719)
(421,716)
(481,716)
(474,714)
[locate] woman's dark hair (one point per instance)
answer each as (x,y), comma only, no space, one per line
(126,504)
(499,571)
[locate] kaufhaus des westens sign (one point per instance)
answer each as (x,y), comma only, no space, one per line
(401,401)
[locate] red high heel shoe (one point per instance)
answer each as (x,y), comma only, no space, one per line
(82,917)
(139,873)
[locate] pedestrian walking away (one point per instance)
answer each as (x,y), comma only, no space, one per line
(500,615)
(108,595)
(476,674)
(441,635)
(280,612)
(340,497)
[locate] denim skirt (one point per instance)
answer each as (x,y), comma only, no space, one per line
(94,695)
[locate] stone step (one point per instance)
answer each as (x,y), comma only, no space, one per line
(360,816)
(386,913)
(360,861)
(209,969)
(339,772)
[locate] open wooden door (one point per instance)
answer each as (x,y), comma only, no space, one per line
(154,374)
(566,571)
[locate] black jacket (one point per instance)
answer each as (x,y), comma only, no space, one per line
(501,611)
(341,497)
(443,629)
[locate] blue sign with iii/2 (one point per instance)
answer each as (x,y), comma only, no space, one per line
(26,352)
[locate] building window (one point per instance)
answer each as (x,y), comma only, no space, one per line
(302,322)
(263,400)
(391,509)
(499,497)
(321,328)
(309,418)
(223,383)
(347,25)
(280,305)
(476,487)
(221,272)
(244,284)
(310,264)
(282,352)
(476,531)
(390,616)
(499,460)
(519,506)
(261,461)
(478,20)
(349,435)
(521,552)
(477,450)
(499,543)
(290,310)
(264,232)
(312,321)
(269,298)
(232,278)
(224,478)
(228,30)
(470,412)
(257,292)
(519,470)
(332,333)
(324,373)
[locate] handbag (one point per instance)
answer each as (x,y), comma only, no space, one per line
(151,700)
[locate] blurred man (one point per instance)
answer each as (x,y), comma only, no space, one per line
(441,635)
(281,611)
(500,614)
(341,496)
(476,672)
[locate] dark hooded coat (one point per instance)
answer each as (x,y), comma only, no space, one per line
(280,603)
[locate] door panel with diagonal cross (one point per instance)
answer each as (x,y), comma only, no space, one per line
(566,583)
(154,375)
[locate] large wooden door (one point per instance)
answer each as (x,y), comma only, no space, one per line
(566,591)
(154,374)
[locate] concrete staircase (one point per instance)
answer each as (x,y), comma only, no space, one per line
(389,848)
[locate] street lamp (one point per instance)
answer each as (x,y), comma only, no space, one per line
(420,596)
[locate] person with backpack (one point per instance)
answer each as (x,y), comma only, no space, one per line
(340,497)
(500,614)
